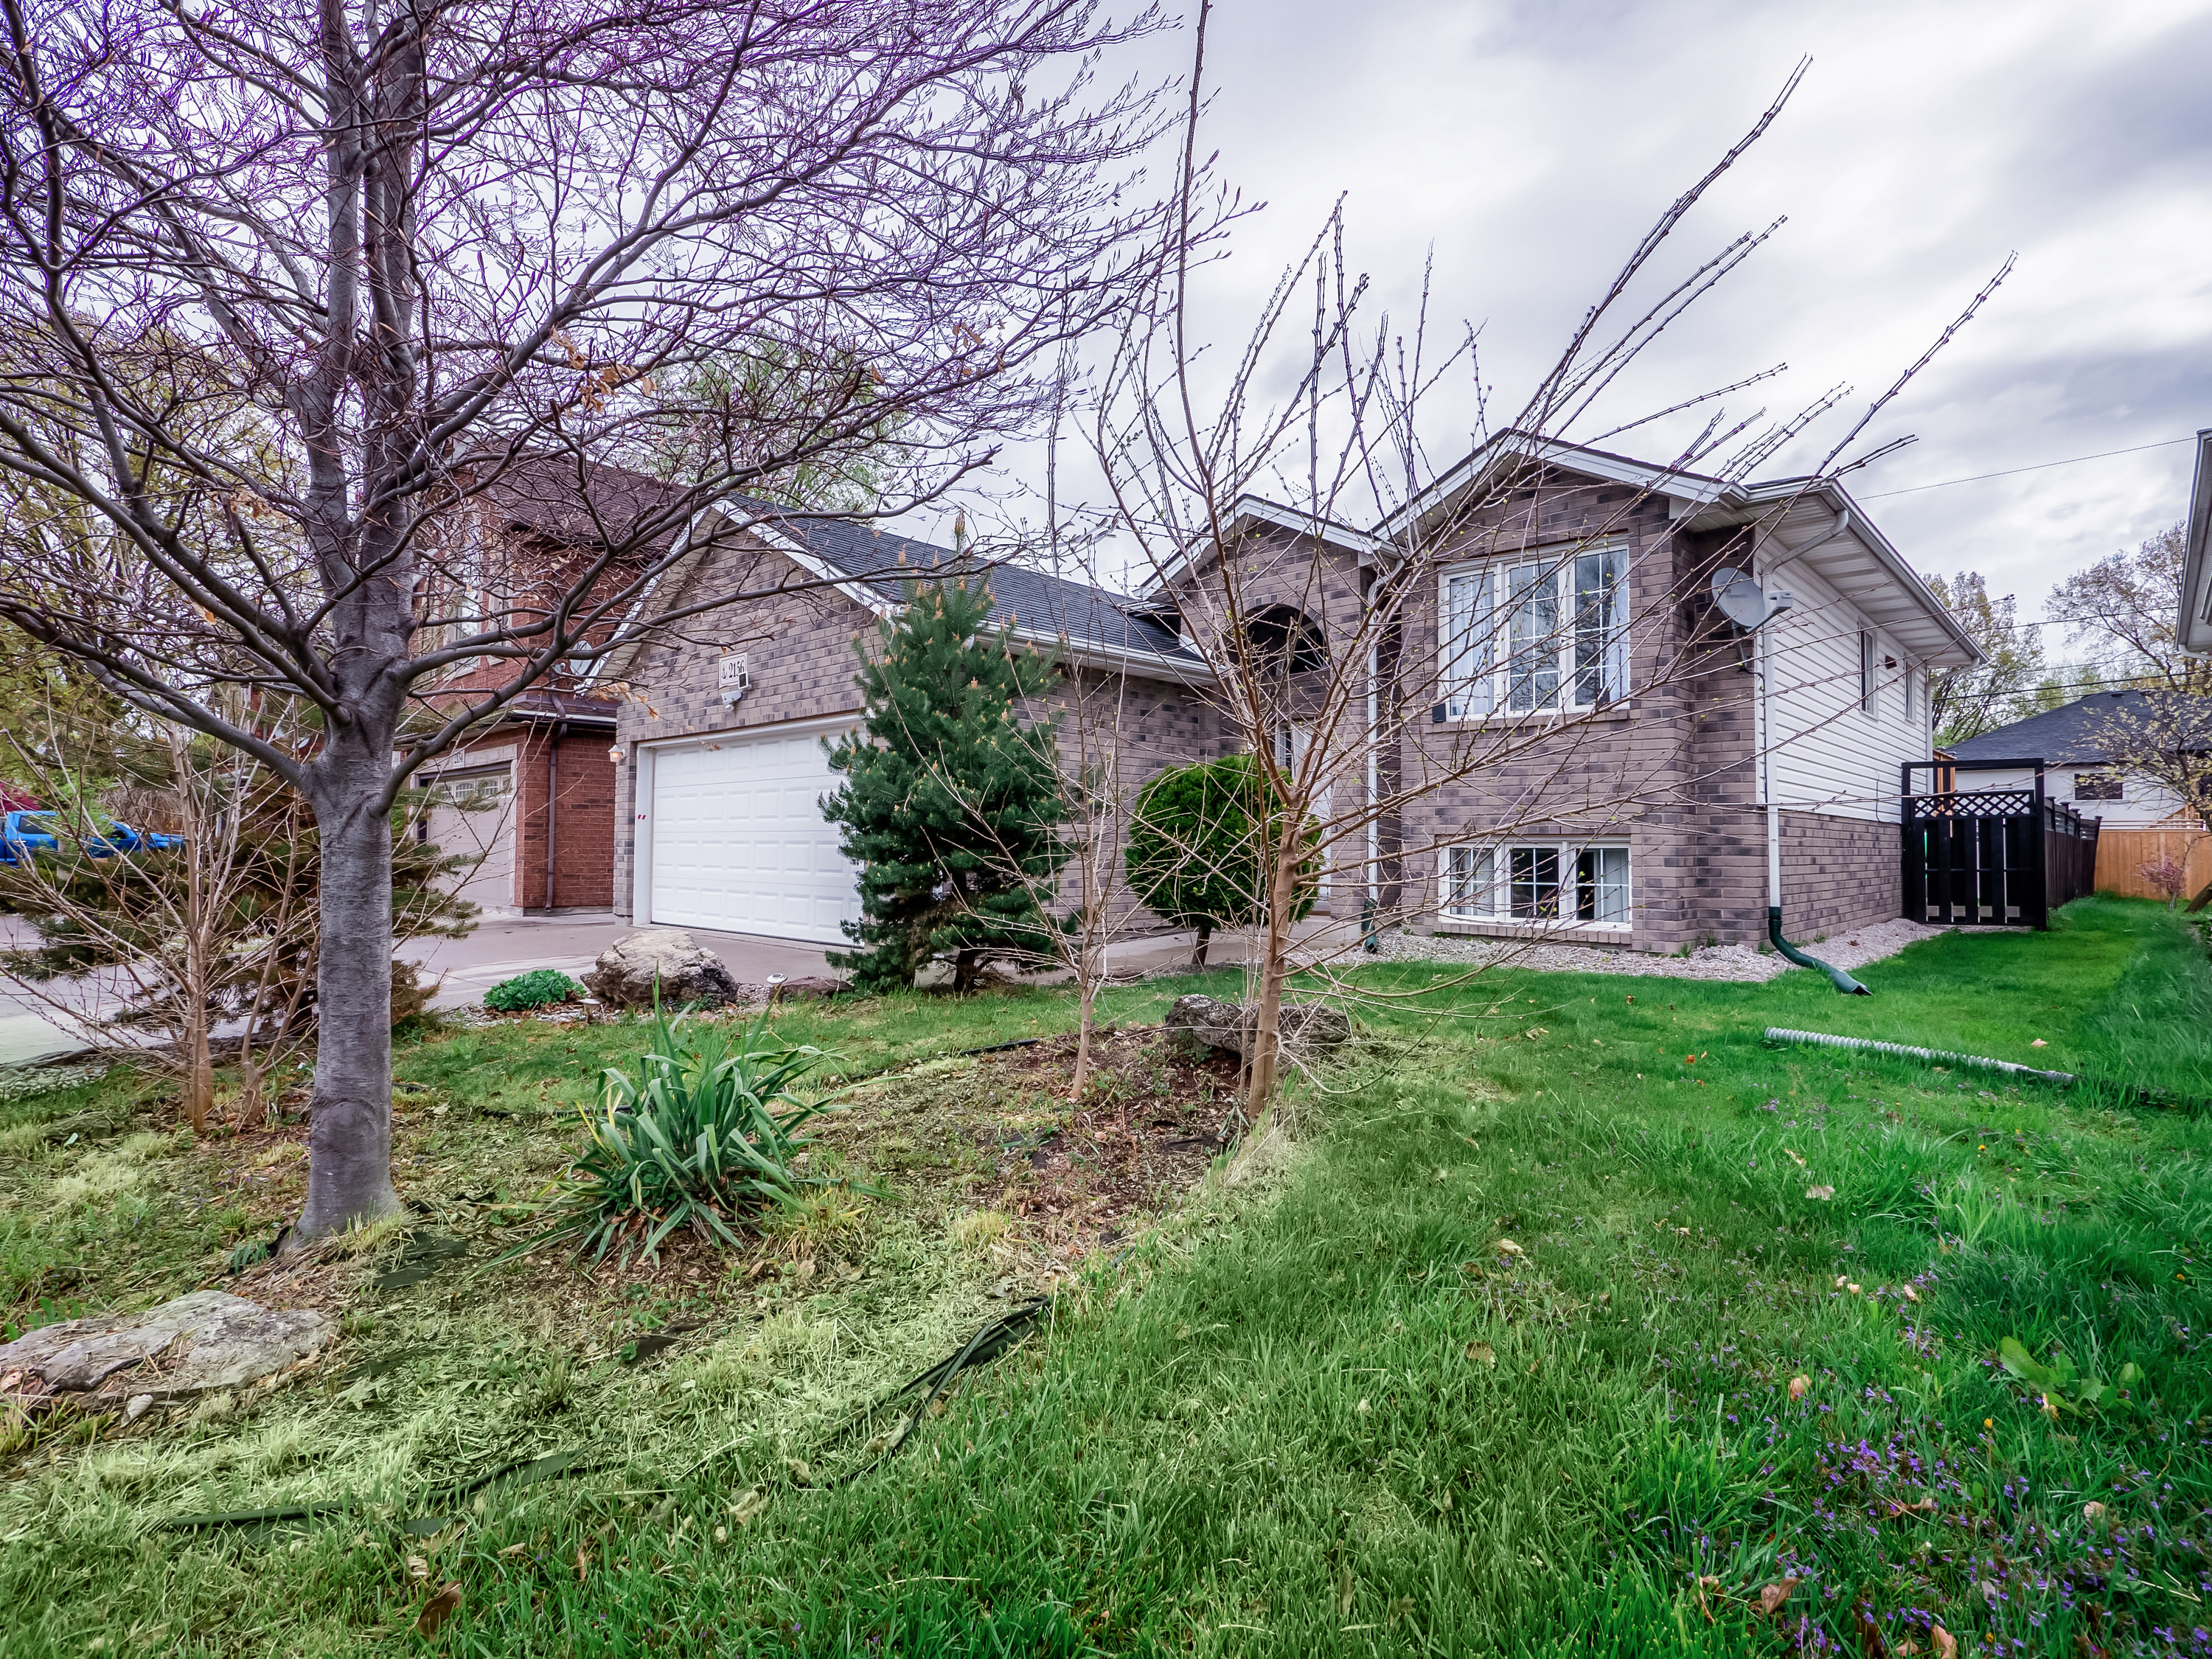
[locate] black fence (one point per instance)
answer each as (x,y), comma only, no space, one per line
(1993,858)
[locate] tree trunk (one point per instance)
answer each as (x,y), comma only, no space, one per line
(350,1126)
(1267,1040)
(1088,1000)
(1198,944)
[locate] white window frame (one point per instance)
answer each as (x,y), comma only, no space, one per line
(1496,883)
(1480,671)
(1869,675)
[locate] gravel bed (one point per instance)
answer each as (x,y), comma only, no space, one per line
(1854,949)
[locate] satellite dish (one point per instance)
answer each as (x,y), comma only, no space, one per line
(1740,600)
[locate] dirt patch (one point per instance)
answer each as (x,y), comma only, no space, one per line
(1077,1178)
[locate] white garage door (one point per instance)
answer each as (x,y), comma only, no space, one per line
(739,844)
(470,814)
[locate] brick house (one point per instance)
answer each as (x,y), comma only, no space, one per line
(530,795)
(721,744)
(1663,760)
(1653,762)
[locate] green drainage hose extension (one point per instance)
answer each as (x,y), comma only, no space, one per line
(1837,977)
(1777,1034)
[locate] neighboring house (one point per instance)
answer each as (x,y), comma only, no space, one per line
(530,795)
(2069,748)
(1579,597)
(721,747)
(2196,619)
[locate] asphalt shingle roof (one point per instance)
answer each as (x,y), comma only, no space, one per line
(1020,596)
(2070,736)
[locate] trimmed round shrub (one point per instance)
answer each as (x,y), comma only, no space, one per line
(1196,848)
(534,989)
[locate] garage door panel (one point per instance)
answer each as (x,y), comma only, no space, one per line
(739,844)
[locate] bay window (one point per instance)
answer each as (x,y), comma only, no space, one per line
(1537,634)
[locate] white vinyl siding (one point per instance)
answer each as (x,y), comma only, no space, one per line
(1822,748)
(1537,883)
(2142,804)
(1535,634)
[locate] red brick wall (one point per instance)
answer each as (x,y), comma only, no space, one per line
(583,852)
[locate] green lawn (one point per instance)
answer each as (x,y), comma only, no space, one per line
(1320,1412)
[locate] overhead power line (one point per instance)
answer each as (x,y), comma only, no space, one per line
(2040,466)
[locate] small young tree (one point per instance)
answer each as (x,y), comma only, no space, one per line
(951,806)
(203,914)
(1198,849)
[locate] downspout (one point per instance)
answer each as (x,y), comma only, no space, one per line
(1845,984)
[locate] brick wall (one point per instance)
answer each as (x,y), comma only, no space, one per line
(801,656)
(580,858)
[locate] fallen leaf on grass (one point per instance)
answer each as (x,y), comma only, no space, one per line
(514,1549)
(1772,1598)
(1821,1195)
(583,1563)
(1897,1511)
(417,1567)
(438,1609)
(747,1507)
(1942,1642)
(1793,1158)
(2093,1513)
(1706,1583)
(1482,1354)
(2038,1043)
(1507,1247)
(1799,1386)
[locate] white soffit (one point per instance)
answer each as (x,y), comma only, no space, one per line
(1868,573)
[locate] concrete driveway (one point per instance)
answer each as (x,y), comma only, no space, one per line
(502,947)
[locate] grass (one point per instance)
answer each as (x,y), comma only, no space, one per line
(1320,1411)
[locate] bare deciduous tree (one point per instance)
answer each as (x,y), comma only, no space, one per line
(399,250)
(1283,502)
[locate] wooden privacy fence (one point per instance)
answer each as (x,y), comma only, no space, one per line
(2003,858)
(2122,854)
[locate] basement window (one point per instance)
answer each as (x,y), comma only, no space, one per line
(1537,882)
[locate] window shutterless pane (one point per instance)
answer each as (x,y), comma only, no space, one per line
(1467,626)
(1535,883)
(1469,882)
(1601,884)
(1597,627)
(1532,671)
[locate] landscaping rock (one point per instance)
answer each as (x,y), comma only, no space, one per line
(629,970)
(225,1340)
(1305,1027)
(806,988)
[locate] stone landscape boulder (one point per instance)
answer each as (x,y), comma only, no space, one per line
(220,1340)
(1306,1027)
(686,972)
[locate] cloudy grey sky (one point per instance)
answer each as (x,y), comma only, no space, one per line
(1530,145)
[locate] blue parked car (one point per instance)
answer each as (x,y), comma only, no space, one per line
(25,833)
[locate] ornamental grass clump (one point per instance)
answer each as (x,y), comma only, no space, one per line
(702,1132)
